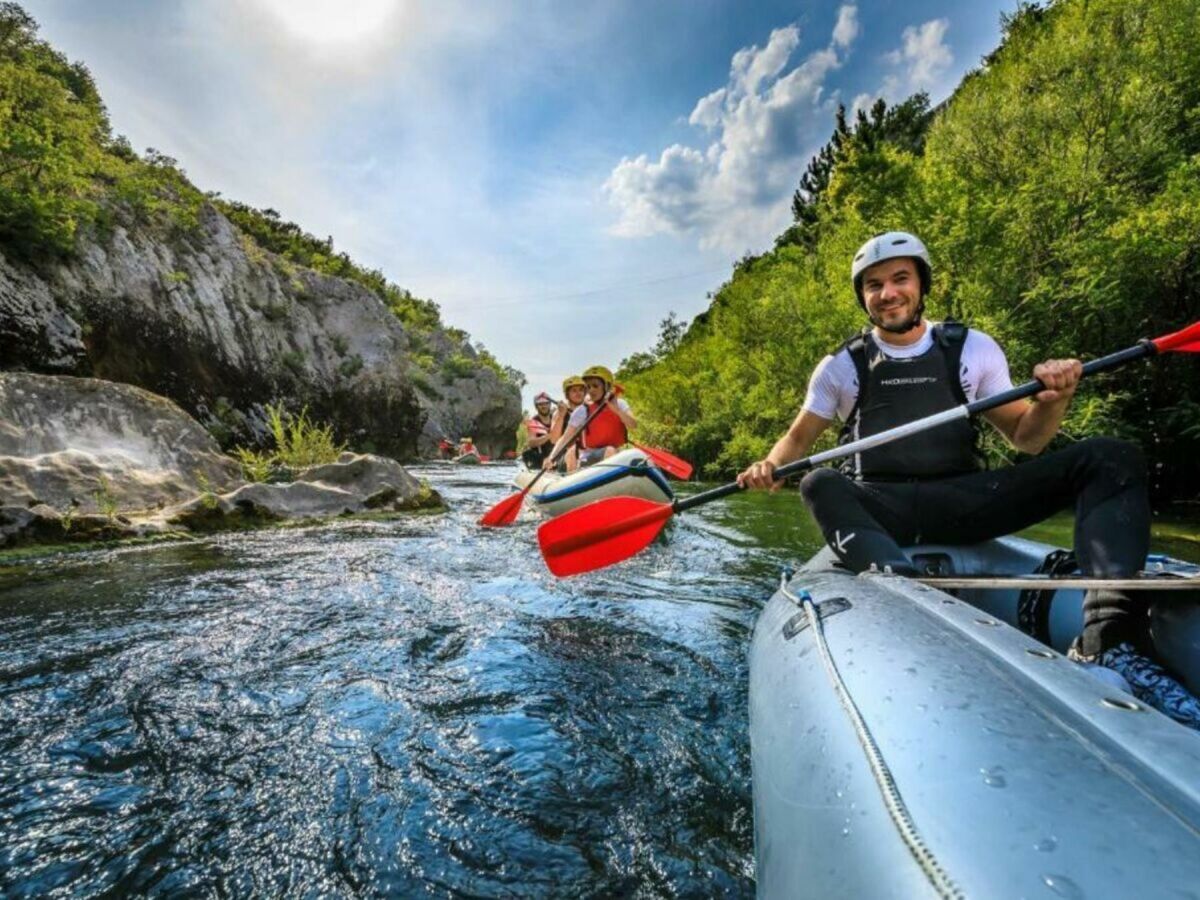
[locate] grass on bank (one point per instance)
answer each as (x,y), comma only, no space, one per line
(299,443)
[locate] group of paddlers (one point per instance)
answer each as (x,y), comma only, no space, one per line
(591,423)
(447,449)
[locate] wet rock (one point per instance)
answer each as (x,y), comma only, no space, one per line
(83,459)
(353,484)
(82,445)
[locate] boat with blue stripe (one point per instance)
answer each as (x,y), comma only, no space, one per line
(629,473)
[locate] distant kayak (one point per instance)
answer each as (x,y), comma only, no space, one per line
(920,744)
(626,474)
(470,458)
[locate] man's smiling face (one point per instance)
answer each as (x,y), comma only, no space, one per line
(892,292)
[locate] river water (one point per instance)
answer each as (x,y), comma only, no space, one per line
(410,708)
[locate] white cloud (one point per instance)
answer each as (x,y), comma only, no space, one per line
(921,63)
(846,29)
(766,121)
(925,55)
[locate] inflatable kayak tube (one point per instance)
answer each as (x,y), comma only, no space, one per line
(626,474)
(910,743)
(470,458)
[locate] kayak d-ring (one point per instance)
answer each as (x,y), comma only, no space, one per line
(825,609)
(1120,703)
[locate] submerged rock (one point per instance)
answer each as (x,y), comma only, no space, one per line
(354,484)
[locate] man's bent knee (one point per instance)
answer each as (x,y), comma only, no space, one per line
(822,485)
(1124,459)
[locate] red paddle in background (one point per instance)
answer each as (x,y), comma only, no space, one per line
(506,511)
(608,531)
(669,463)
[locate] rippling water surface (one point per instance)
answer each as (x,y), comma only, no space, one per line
(412,708)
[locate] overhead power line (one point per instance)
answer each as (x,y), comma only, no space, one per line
(622,286)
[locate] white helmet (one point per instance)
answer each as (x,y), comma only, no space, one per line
(891,245)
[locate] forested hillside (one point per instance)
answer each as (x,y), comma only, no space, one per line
(63,173)
(1059,192)
(114,265)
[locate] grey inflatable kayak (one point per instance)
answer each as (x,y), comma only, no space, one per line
(910,743)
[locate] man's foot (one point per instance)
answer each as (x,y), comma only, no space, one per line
(1145,679)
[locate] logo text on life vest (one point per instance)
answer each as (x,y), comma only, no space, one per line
(926,379)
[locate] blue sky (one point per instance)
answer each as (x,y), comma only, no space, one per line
(557,176)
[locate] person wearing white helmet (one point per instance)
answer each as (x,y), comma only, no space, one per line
(537,432)
(931,487)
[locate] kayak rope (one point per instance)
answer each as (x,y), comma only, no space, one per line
(896,807)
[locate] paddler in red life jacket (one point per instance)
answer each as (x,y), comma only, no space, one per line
(466,446)
(609,430)
(445,449)
(538,442)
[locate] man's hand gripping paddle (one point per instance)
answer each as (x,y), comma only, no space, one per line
(608,531)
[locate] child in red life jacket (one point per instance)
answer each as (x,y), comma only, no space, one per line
(605,434)
(575,392)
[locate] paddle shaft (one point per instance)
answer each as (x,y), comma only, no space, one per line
(1007,582)
(965,411)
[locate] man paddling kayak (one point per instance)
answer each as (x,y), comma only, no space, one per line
(929,487)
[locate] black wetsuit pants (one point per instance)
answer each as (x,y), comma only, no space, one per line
(1101,479)
(533,457)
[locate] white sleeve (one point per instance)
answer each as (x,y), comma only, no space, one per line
(578,416)
(832,387)
(622,405)
(991,374)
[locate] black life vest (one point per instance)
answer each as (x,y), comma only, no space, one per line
(893,392)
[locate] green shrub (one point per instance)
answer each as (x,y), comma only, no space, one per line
(106,500)
(458,366)
(299,442)
(256,464)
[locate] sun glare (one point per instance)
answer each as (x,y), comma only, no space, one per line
(326,22)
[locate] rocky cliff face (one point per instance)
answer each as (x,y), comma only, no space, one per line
(222,327)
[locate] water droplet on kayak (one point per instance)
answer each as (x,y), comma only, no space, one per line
(1047,844)
(994,777)
(1063,886)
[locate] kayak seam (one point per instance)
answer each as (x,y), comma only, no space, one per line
(896,807)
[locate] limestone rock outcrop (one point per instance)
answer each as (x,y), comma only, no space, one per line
(207,318)
(82,445)
(83,459)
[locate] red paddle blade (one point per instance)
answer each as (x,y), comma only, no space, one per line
(505,512)
(601,533)
(669,463)
(1186,340)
